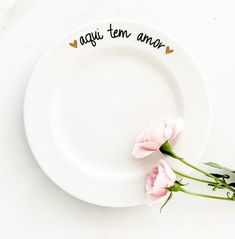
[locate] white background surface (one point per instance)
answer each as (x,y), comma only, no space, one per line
(31,206)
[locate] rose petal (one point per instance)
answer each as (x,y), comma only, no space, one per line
(177,126)
(155,135)
(168,133)
(168,172)
(158,195)
(142,150)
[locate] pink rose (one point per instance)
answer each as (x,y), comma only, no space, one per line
(155,136)
(160,178)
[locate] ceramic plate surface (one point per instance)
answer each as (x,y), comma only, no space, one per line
(94,91)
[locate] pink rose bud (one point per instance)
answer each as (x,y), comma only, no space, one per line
(155,136)
(160,178)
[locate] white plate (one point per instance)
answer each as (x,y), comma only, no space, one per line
(84,107)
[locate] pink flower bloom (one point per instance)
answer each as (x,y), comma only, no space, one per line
(160,178)
(155,136)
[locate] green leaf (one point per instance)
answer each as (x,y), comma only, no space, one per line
(167,200)
(226,176)
(215,165)
(211,184)
(232,184)
(218,186)
(176,187)
(181,184)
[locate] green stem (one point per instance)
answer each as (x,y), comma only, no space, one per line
(167,150)
(193,178)
(194,167)
(205,195)
(205,173)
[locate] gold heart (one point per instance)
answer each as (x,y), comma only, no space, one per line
(168,50)
(74,44)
